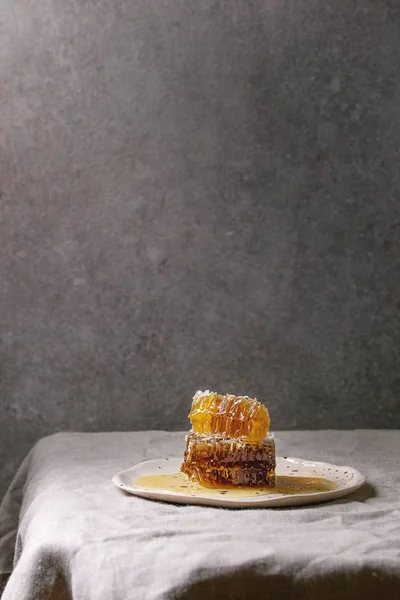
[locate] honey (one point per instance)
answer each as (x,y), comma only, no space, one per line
(179,483)
(229,416)
(217,461)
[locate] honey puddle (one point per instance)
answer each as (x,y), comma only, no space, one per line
(285,484)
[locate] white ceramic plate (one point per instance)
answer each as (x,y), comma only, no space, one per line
(347,480)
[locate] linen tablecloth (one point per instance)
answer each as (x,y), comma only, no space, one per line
(67,533)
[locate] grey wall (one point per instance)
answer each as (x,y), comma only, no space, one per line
(197,194)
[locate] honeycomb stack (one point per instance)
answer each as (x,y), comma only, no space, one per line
(229,444)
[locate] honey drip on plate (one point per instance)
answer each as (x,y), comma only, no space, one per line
(229,416)
(179,483)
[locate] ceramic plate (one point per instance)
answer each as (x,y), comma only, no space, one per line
(298,482)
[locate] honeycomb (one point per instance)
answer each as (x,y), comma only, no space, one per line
(216,461)
(229,416)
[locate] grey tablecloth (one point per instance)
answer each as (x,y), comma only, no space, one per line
(67,532)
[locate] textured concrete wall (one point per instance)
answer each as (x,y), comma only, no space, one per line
(197,194)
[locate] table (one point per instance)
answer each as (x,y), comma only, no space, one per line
(67,533)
